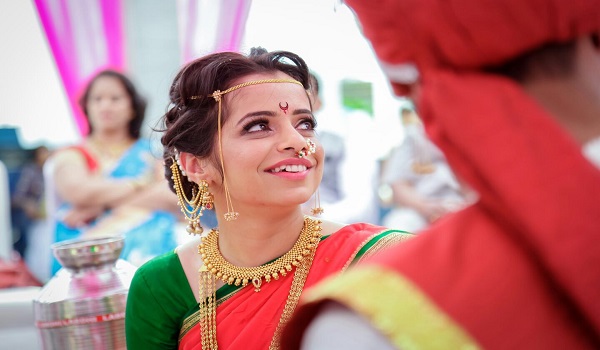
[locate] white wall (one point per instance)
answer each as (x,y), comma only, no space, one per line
(31,96)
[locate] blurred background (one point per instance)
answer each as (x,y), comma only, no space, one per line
(50,49)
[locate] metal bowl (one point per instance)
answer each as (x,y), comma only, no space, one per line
(81,253)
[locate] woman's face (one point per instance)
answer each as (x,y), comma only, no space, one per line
(267,125)
(109,106)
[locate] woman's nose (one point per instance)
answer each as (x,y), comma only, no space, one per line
(291,139)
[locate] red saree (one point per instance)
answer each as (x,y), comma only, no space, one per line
(247,319)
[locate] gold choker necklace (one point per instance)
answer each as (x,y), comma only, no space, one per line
(231,274)
(216,267)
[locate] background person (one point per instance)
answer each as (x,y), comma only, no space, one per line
(346,195)
(240,138)
(514,105)
(28,199)
(423,187)
(111,183)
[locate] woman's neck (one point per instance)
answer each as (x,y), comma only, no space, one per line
(255,238)
(110,138)
(108,148)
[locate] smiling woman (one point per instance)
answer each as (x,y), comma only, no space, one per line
(240,137)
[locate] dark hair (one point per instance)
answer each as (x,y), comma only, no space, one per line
(138,103)
(553,60)
(190,125)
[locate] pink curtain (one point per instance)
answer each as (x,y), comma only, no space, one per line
(84,36)
(207,26)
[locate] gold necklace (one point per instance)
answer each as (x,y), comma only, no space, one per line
(216,267)
(231,274)
(110,150)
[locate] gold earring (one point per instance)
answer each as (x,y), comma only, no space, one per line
(192,208)
(317,210)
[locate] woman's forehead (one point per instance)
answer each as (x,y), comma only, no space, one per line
(106,83)
(265,91)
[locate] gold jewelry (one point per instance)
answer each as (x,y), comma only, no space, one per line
(308,150)
(192,208)
(231,214)
(293,298)
(422,168)
(216,267)
(231,274)
(317,210)
(179,163)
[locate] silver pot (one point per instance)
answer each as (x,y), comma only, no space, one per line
(83,305)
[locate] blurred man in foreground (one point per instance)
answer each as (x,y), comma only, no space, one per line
(510,91)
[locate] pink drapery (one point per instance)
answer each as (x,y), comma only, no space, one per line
(84,37)
(207,26)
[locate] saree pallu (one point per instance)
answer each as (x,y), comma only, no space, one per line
(162,310)
(147,233)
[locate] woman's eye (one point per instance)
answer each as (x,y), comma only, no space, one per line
(306,124)
(254,127)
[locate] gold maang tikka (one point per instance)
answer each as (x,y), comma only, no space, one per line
(231,214)
(192,208)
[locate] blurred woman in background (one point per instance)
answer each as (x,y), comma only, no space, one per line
(111,183)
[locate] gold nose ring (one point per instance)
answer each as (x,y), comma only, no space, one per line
(310,149)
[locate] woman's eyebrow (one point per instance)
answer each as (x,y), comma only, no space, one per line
(256,114)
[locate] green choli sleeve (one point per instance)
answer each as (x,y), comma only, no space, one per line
(158,299)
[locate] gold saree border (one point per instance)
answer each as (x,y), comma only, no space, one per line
(194,318)
(397,308)
(375,243)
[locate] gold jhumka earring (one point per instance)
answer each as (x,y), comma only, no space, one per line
(192,208)
(311,148)
(317,209)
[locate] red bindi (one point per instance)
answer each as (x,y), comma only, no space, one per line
(284,108)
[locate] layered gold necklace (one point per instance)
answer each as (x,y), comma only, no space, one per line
(216,267)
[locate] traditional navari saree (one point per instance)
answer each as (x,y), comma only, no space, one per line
(162,311)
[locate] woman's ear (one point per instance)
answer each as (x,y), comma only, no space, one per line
(196,169)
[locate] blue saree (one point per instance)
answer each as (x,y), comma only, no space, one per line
(147,233)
